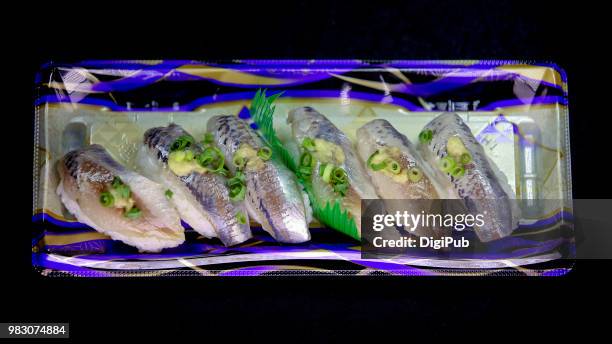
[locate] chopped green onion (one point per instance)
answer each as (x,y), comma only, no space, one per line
(235,185)
(335,176)
(205,158)
(415,174)
(237,192)
(425,136)
(458,172)
(241,218)
(325,172)
(239,175)
(208,156)
(123,191)
(308,144)
(447,164)
(212,158)
(393,166)
(369,162)
(466,158)
(169,193)
(341,188)
(223,172)
(339,176)
(306,159)
(133,213)
(235,181)
(220,160)
(117,182)
(305,171)
(239,161)
(235,189)
(107,199)
(375,166)
(379,166)
(208,138)
(265,153)
(181,143)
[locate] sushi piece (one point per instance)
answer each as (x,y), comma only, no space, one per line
(273,195)
(394,166)
(118,202)
(337,173)
(448,145)
(198,189)
(398,172)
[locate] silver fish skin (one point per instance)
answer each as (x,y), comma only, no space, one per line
(378,135)
(202,199)
(274,198)
(481,187)
(307,122)
(87,172)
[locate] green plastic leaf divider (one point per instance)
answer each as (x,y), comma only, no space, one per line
(262,113)
(331,214)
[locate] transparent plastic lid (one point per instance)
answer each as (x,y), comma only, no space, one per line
(93,125)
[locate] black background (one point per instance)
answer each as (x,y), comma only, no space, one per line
(298,309)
